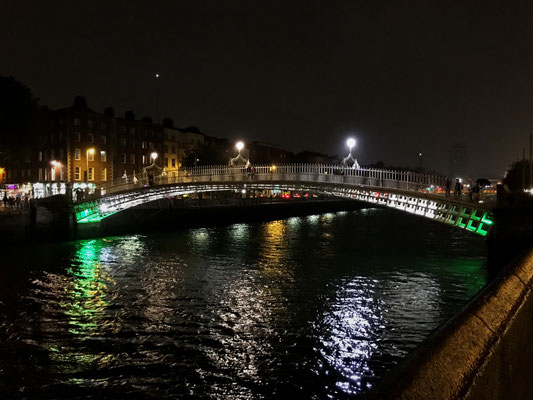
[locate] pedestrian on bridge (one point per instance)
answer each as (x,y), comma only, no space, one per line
(458,188)
(448,187)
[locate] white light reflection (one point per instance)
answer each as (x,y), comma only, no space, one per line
(239,231)
(349,330)
(313,218)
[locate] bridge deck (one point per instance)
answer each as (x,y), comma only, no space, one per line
(418,194)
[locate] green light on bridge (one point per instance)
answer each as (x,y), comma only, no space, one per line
(486,220)
(90,215)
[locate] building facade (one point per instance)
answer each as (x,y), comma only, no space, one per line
(84,149)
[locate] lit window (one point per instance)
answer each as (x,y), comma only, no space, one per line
(103,174)
(91,173)
(90,156)
(77,173)
(144,160)
(143,145)
(103,156)
(77,154)
(173,162)
(40,155)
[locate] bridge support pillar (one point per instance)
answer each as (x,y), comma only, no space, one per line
(52,217)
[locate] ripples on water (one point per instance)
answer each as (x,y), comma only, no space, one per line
(312,307)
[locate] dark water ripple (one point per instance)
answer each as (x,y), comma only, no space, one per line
(314,307)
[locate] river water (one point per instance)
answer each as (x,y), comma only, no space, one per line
(308,307)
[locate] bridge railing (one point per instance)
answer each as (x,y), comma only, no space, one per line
(291,172)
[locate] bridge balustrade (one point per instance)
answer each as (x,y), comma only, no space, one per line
(291,172)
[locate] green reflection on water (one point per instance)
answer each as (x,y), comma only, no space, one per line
(87,298)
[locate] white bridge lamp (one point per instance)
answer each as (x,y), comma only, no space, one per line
(239,145)
(350,161)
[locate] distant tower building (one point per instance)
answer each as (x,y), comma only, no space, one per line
(458,160)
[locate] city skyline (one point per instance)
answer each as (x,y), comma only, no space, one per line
(402,79)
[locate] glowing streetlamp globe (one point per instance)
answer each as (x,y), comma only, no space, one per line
(349,161)
(153,155)
(239,145)
(90,151)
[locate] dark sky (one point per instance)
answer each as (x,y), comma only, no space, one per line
(402,77)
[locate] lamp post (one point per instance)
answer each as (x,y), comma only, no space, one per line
(239,145)
(157,98)
(350,143)
(153,156)
(55,164)
(345,162)
(91,152)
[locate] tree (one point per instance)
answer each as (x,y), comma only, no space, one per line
(168,123)
(147,119)
(19,121)
(206,155)
(109,112)
(517,176)
(130,116)
(80,103)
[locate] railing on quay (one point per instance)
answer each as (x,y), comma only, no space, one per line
(370,177)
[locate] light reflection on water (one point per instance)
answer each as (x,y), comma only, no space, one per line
(310,307)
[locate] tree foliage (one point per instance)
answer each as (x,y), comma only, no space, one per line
(205,155)
(129,115)
(517,176)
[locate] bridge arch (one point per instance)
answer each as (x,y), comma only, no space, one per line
(413,193)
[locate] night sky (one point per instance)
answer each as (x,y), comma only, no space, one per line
(402,77)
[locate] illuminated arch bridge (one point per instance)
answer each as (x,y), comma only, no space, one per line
(410,192)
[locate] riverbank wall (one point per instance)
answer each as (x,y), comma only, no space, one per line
(484,352)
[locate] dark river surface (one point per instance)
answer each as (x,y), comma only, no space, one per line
(309,307)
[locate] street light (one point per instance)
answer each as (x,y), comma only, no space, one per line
(346,161)
(239,145)
(157,98)
(153,156)
(55,164)
(91,152)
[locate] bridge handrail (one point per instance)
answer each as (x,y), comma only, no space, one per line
(320,172)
